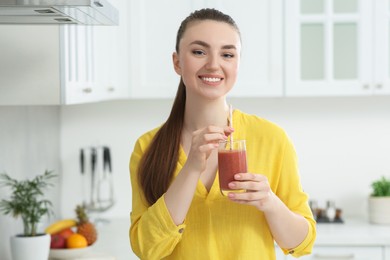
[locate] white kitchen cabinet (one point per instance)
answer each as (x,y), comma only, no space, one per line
(111,56)
(63,64)
(337,47)
(95,60)
(78,70)
(154,25)
(343,252)
(356,239)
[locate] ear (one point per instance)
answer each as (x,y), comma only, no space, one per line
(176,63)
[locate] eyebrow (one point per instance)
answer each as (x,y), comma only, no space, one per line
(204,44)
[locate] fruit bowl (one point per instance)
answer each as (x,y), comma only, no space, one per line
(65,253)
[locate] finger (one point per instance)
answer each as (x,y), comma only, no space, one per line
(247,185)
(246,176)
(209,134)
(251,185)
(248,196)
(243,202)
(214,129)
(215,137)
(208,147)
(228,130)
(208,129)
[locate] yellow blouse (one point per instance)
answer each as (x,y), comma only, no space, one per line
(216,228)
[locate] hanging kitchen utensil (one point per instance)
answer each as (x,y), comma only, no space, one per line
(93,175)
(83,181)
(109,164)
(105,186)
(82,159)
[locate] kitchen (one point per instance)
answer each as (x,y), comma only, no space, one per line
(341,138)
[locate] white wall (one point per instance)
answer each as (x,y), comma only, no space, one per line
(29,144)
(115,124)
(342,143)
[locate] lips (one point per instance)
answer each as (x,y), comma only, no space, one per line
(211,79)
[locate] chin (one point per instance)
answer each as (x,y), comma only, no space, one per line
(213,95)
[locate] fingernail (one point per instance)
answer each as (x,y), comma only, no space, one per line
(237,176)
(231,195)
(232,185)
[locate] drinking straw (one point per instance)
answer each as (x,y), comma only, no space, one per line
(231,124)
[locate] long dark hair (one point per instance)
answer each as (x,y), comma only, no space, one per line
(159,162)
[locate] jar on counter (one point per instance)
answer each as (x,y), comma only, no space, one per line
(330,210)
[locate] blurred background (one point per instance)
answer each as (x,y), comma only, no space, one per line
(318,68)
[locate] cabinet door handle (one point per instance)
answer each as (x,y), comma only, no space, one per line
(87,90)
(333,257)
(98,4)
(378,86)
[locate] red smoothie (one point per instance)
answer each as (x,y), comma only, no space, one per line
(230,162)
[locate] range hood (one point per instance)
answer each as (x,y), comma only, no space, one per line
(83,12)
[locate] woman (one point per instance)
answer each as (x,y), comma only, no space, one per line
(178,211)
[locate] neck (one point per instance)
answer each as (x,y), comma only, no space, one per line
(198,115)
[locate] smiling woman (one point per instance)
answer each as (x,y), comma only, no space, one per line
(178,211)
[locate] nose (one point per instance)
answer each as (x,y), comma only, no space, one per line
(212,62)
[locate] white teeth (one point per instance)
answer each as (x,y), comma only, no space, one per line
(211,79)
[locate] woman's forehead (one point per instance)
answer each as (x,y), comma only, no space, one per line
(211,31)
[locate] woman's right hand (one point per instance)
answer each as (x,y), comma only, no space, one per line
(203,142)
(180,193)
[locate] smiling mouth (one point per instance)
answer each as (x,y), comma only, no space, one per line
(211,79)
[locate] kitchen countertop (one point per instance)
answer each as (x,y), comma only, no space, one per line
(354,232)
(113,238)
(112,243)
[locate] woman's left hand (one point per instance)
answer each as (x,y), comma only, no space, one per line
(257,193)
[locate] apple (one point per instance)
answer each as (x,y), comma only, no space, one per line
(57,241)
(65,233)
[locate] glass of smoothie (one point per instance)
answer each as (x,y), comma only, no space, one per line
(231,160)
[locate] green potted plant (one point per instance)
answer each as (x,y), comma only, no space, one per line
(27,203)
(379,201)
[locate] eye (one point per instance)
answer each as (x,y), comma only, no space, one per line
(228,55)
(198,52)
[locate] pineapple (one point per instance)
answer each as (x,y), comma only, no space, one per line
(84,227)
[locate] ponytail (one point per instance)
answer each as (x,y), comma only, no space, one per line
(159,162)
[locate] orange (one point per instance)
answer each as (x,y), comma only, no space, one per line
(76,241)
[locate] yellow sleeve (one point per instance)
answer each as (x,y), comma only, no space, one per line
(307,244)
(153,234)
(291,193)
